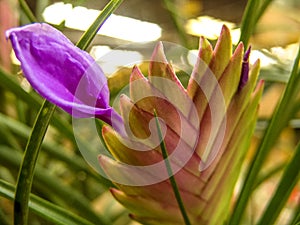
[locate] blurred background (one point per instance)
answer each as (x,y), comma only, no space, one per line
(138,21)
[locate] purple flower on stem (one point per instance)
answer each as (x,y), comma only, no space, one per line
(62,73)
(206,141)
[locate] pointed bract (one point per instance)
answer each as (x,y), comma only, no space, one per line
(212,120)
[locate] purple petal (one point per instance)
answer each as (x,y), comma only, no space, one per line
(61,72)
(245,69)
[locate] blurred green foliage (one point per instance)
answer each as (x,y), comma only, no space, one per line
(66,190)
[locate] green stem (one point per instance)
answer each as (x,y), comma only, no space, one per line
(90,33)
(170,173)
(45,209)
(251,16)
(26,172)
(27,11)
(54,188)
(283,113)
(248,21)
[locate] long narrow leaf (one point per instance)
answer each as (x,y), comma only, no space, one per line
(272,172)
(25,178)
(287,183)
(45,209)
(43,178)
(91,32)
(39,130)
(6,136)
(170,172)
(53,150)
(283,113)
(248,21)
(9,83)
(25,8)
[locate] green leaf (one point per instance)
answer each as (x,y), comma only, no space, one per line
(170,172)
(287,183)
(7,137)
(25,177)
(267,175)
(283,113)
(248,21)
(55,151)
(91,32)
(253,12)
(25,8)
(53,185)
(45,209)
(9,83)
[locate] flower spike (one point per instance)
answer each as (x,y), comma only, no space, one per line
(215,136)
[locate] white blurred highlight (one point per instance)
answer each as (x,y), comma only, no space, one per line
(121,27)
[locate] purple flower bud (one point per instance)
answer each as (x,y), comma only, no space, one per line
(245,69)
(62,73)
